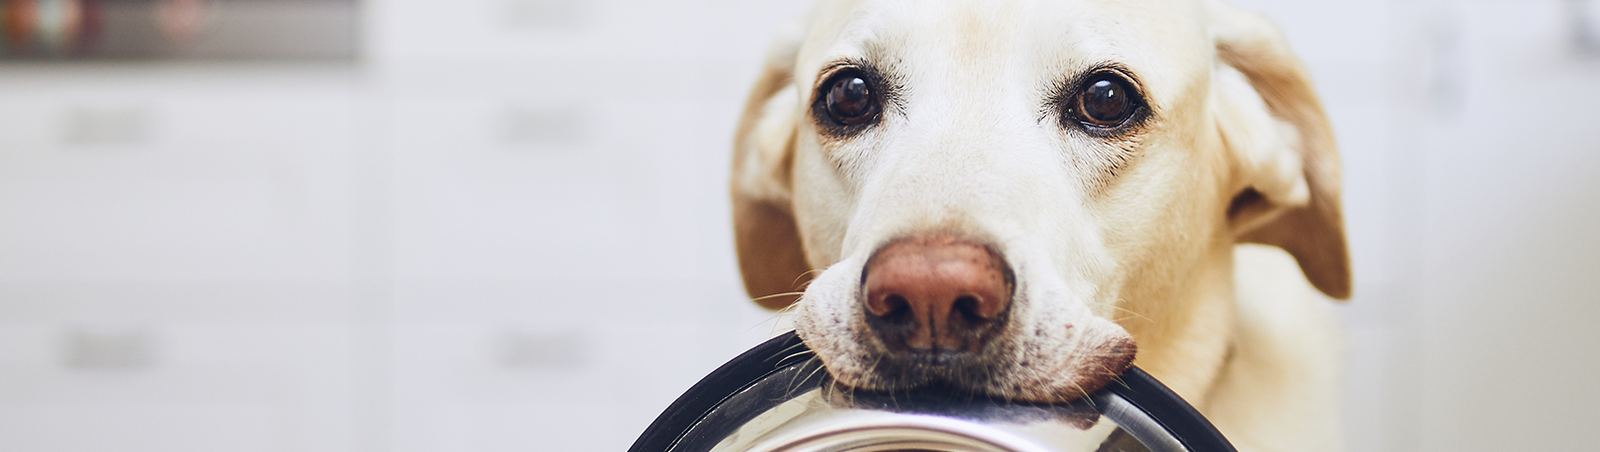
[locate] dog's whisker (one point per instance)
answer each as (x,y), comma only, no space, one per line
(1082,393)
(792,347)
(1135,314)
(801,353)
(776,295)
(819,367)
(772,321)
(797,279)
(795,384)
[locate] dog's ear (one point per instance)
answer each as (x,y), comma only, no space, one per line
(771,257)
(1288,165)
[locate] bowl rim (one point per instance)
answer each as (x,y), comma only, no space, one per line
(1180,419)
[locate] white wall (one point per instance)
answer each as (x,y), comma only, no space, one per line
(505,229)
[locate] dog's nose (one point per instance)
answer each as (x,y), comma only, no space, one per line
(928,293)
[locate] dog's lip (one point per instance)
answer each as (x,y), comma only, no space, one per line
(937,357)
(974,371)
(994,370)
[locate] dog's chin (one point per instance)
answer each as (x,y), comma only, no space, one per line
(1053,378)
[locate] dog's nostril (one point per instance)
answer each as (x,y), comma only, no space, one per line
(898,309)
(967,306)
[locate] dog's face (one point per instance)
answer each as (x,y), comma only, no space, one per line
(1005,195)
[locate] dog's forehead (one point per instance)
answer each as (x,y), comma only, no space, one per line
(1164,42)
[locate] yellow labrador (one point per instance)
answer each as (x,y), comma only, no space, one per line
(1013,197)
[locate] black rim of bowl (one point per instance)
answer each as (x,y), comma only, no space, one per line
(1174,414)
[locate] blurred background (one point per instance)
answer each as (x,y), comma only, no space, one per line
(502,225)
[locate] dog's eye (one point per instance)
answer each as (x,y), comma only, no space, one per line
(850,99)
(1105,101)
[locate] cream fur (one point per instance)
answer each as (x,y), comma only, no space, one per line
(1133,238)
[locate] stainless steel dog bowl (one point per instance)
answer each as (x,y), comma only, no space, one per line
(775,398)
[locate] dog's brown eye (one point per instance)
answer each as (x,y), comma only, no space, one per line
(850,99)
(1105,102)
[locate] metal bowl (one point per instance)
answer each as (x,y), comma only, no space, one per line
(775,398)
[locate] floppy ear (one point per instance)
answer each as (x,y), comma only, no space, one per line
(771,257)
(1274,125)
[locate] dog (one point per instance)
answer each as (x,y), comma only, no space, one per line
(1022,198)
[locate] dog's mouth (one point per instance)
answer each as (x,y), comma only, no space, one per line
(1003,368)
(958,371)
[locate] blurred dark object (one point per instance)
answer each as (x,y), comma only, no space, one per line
(178,29)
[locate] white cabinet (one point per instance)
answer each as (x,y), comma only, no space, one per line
(236,387)
(176,257)
(123,173)
(516,172)
(526,29)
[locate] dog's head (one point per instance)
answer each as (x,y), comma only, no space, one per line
(1002,196)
